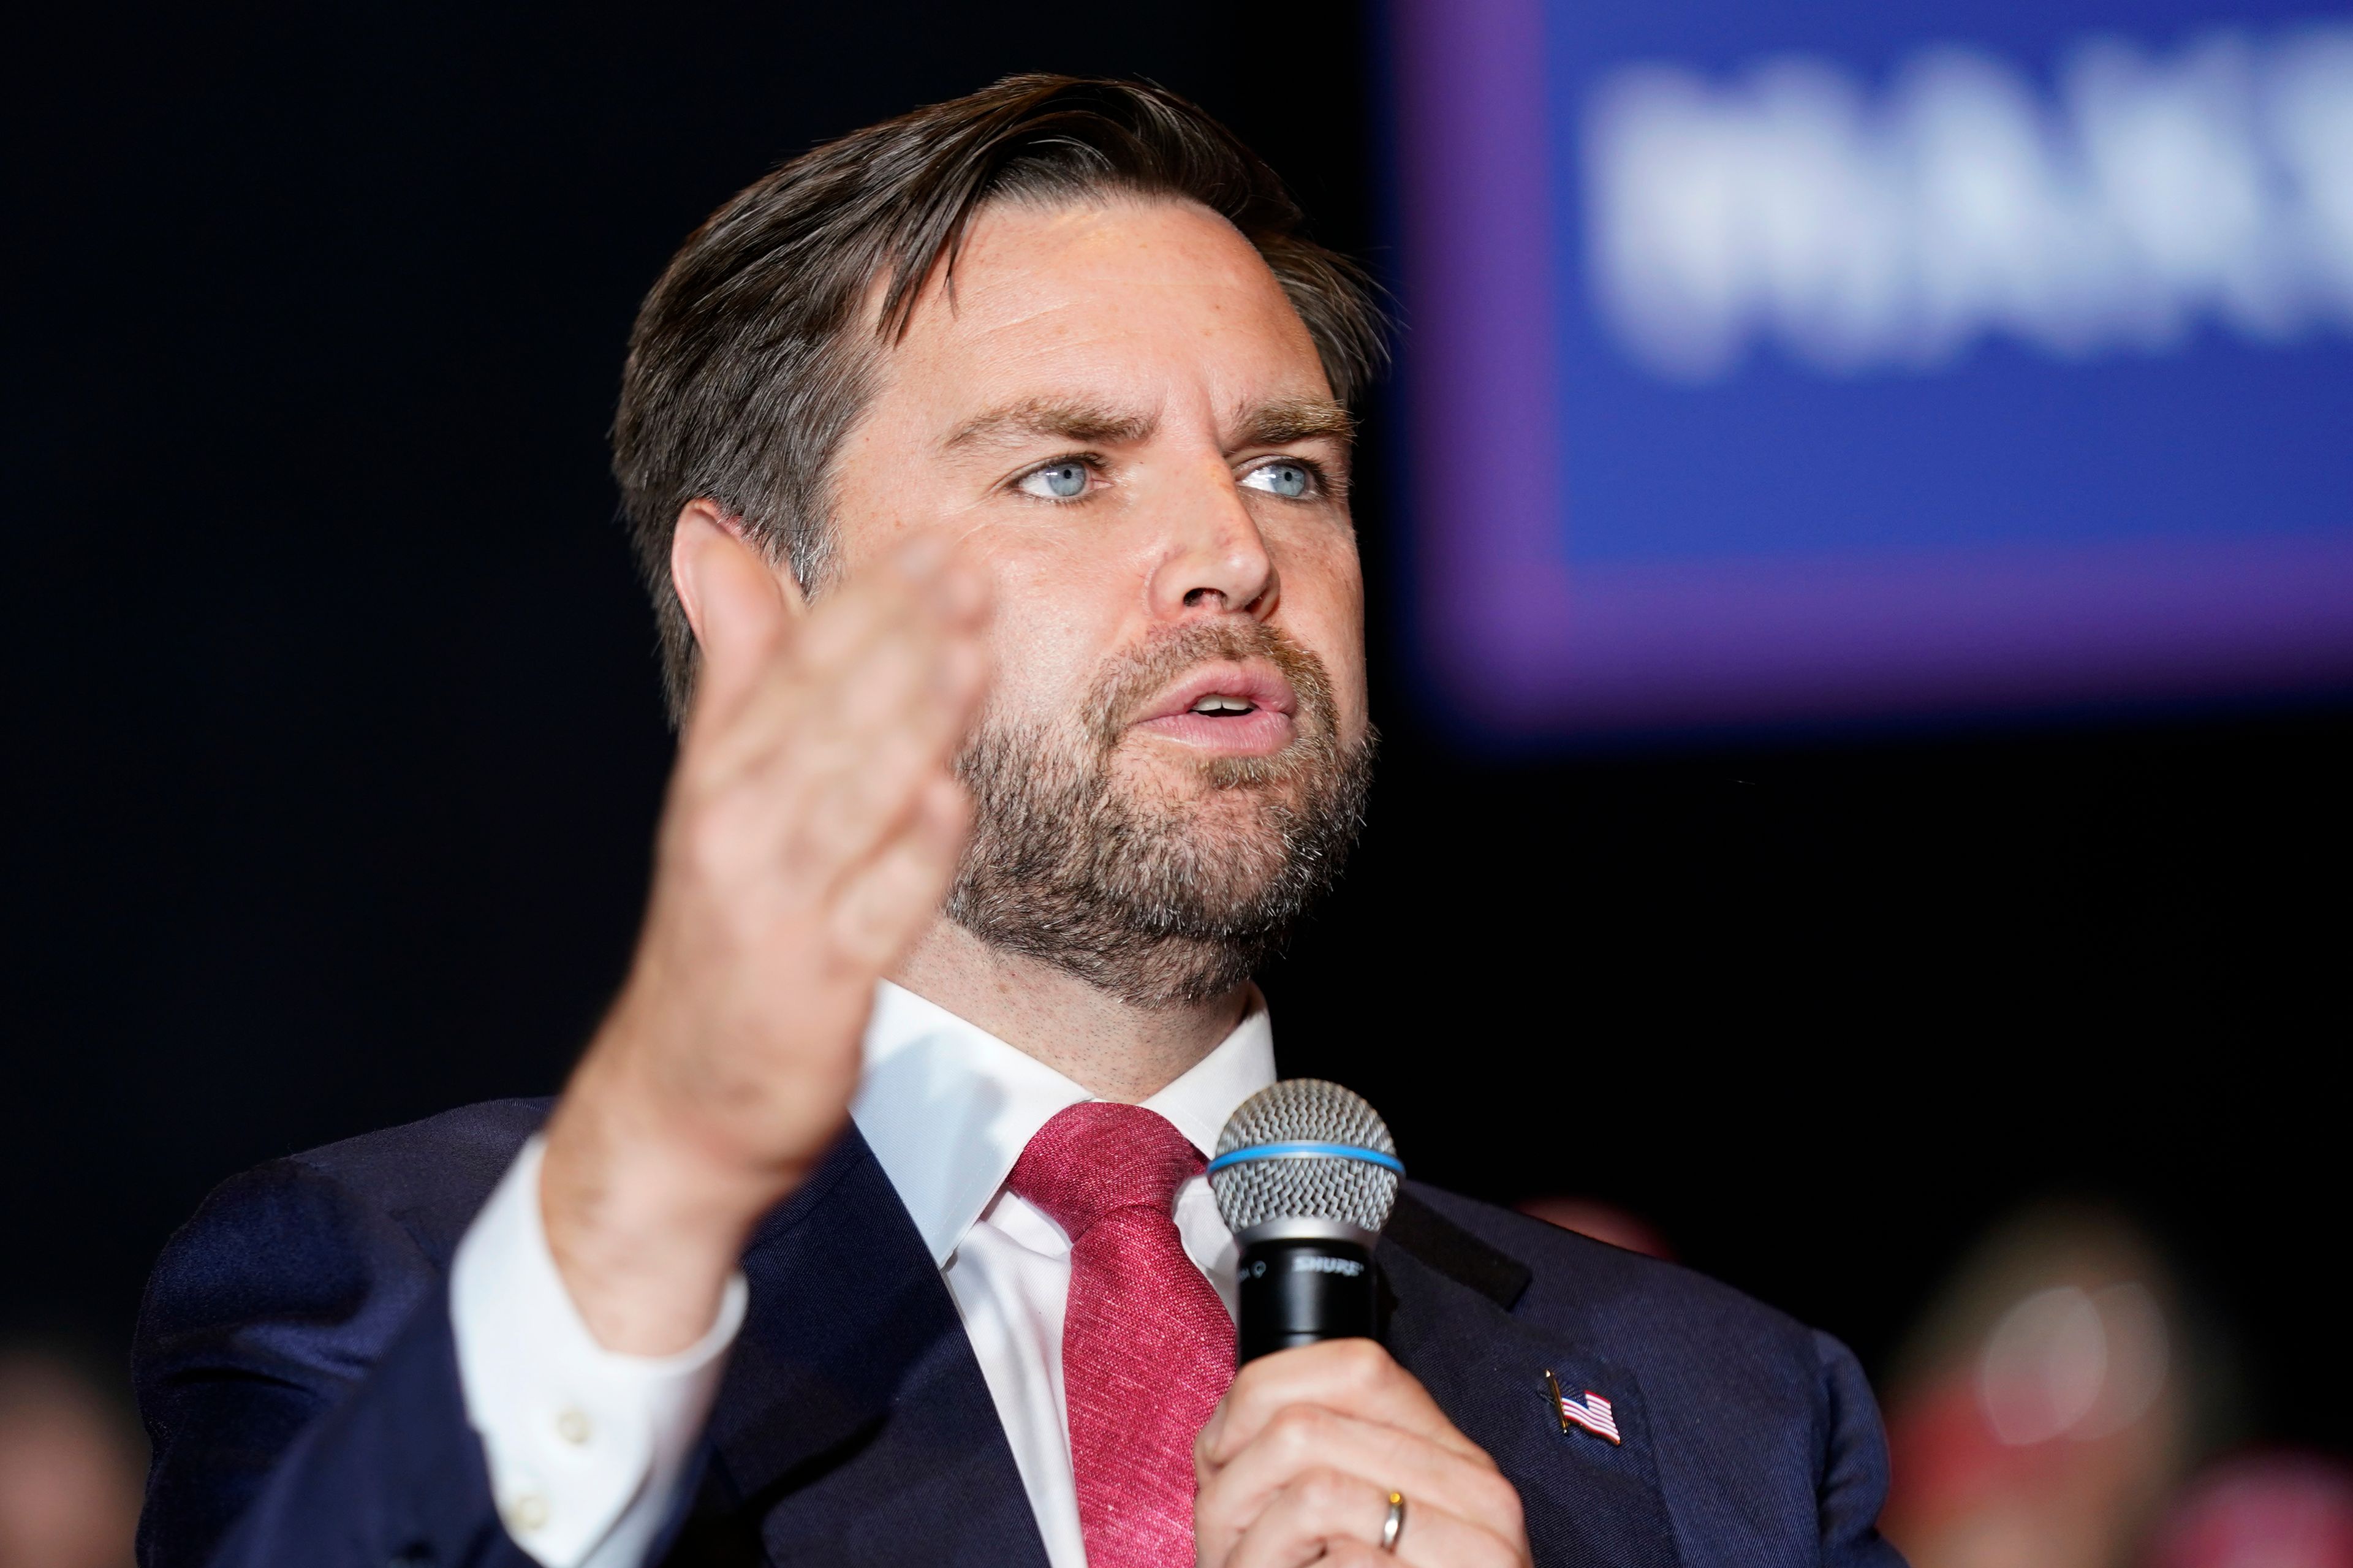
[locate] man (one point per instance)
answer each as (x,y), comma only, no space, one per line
(991,471)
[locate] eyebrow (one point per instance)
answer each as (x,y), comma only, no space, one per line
(1055,419)
(1289,419)
(1276,424)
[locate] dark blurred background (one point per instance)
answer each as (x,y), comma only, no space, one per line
(336,744)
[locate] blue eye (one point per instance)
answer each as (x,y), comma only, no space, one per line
(1062,481)
(1290,481)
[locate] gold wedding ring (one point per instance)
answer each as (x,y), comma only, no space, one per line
(1394,1526)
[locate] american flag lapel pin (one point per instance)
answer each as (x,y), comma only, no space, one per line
(1592,1413)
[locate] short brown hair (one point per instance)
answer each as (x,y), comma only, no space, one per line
(744,372)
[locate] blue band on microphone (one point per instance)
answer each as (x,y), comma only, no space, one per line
(1307,1152)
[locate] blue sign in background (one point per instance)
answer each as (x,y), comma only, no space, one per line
(2005,444)
(1851,363)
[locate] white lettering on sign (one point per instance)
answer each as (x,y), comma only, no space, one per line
(2144,195)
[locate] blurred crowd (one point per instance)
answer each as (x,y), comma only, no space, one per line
(2061,1404)
(70,1464)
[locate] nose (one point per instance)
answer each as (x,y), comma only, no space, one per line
(1214,561)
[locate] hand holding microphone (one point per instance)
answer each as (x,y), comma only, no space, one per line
(1324,1449)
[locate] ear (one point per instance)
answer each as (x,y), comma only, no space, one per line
(707,541)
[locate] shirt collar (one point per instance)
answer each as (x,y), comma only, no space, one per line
(948,1106)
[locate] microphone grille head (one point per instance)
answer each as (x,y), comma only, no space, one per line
(1354,1192)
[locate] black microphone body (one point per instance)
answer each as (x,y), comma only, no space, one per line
(1299,1290)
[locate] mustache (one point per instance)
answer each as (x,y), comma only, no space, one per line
(1133,678)
(1125,884)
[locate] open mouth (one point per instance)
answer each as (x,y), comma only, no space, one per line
(1232,708)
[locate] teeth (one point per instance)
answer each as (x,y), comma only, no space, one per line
(1222,705)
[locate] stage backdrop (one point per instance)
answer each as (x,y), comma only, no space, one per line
(1774,366)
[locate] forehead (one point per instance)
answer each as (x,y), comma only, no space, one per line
(1155,299)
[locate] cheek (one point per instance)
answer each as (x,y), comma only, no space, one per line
(1320,565)
(1323,605)
(1346,664)
(1043,646)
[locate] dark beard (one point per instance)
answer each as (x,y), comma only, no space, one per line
(1129,890)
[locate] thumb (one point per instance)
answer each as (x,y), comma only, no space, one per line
(738,611)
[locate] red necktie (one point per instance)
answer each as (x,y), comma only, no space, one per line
(1147,1348)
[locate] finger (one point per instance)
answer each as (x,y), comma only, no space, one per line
(922,615)
(923,576)
(1354,1377)
(1327,1509)
(740,618)
(885,905)
(1355,1554)
(852,665)
(875,773)
(1307,1437)
(919,677)
(894,702)
(835,636)
(1308,1440)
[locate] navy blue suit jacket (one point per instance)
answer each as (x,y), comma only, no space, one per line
(297,1372)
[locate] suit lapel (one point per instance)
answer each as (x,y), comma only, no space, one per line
(854,1426)
(1587,1503)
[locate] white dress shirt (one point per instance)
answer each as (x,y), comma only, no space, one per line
(585,1447)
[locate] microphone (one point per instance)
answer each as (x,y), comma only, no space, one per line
(1304,1176)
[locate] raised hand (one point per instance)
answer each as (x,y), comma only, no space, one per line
(812,827)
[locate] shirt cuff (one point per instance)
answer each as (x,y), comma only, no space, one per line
(586,1446)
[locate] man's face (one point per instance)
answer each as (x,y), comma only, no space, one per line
(1126,421)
